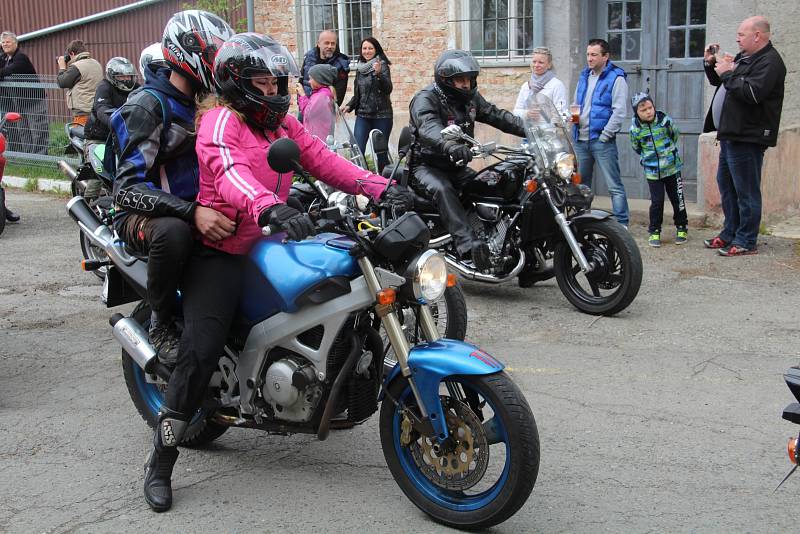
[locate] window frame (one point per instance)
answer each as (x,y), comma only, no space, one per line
(307,38)
(511,57)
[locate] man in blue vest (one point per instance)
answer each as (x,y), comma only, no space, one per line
(602,93)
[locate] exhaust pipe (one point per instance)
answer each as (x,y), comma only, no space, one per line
(87,221)
(134,340)
(472,274)
(67,169)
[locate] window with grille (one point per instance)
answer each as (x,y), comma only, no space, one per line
(350,19)
(496,29)
(624,30)
(687,28)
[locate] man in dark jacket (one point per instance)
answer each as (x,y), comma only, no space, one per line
(327,51)
(32,133)
(439,165)
(746,113)
(113,91)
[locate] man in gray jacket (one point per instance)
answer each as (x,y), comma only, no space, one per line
(80,80)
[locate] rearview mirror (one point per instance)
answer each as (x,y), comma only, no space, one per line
(284,156)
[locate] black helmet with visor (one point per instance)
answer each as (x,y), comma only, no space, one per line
(245,57)
(454,63)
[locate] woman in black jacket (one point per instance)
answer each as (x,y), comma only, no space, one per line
(371,101)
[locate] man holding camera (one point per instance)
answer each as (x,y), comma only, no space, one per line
(80,79)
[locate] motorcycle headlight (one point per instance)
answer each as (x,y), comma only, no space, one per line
(565,165)
(430,277)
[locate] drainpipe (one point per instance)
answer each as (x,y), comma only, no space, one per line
(538,22)
(251,17)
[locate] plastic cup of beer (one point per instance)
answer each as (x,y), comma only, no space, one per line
(575,113)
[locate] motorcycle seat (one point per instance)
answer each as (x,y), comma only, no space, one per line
(76,130)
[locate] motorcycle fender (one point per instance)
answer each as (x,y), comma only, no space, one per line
(792,413)
(591,215)
(430,363)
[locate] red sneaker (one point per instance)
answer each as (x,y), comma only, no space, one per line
(736,250)
(715,242)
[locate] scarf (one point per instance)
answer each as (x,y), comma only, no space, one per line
(537,83)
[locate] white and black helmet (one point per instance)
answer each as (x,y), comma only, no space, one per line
(151,55)
(190,43)
(121,74)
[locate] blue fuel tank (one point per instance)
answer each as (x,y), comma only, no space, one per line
(277,273)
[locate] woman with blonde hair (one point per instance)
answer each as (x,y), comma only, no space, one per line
(543,80)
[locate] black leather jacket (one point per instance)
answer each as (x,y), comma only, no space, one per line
(751,112)
(430,111)
(157,174)
(107,99)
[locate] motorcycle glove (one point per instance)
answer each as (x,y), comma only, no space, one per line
(400,197)
(297,226)
(459,154)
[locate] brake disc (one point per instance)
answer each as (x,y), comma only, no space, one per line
(464,464)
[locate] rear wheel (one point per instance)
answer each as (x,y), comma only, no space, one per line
(459,482)
(148,396)
(614,280)
(2,210)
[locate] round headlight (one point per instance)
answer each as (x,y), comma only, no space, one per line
(430,277)
(565,165)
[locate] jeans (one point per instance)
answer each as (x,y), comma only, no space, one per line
(674,188)
(739,182)
(361,131)
(605,154)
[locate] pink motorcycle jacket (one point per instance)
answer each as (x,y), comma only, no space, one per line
(237,181)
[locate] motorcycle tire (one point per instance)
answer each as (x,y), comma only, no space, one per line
(2,210)
(450,313)
(614,282)
(149,397)
(457,493)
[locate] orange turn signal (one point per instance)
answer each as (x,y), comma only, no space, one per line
(386,296)
(791,448)
(576,178)
(451,280)
(531,186)
(83,265)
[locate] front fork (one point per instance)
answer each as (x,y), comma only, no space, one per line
(394,330)
(563,223)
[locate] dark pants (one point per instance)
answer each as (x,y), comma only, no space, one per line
(739,182)
(673,185)
(442,187)
(167,243)
(211,288)
(361,132)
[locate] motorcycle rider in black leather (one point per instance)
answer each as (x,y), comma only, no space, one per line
(439,166)
(155,191)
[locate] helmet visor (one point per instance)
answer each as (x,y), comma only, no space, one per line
(271,59)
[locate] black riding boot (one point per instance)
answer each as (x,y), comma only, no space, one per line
(158,469)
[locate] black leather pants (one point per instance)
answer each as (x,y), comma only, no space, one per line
(443,187)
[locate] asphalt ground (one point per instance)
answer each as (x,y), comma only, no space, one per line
(665,418)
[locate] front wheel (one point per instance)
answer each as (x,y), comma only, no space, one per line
(148,397)
(459,483)
(614,280)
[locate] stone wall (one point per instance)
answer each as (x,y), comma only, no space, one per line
(780,186)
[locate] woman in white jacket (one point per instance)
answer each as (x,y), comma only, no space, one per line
(543,79)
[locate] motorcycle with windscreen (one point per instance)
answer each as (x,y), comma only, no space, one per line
(304,356)
(536,217)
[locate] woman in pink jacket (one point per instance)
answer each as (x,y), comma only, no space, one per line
(252,75)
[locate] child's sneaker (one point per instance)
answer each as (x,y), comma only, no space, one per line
(682,236)
(654,240)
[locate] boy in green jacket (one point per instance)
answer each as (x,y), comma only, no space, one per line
(655,138)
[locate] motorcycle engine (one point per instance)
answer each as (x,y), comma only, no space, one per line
(493,234)
(291,388)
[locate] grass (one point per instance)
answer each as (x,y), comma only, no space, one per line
(31,185)
(34,170)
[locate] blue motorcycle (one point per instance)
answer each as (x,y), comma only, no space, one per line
(305,356)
